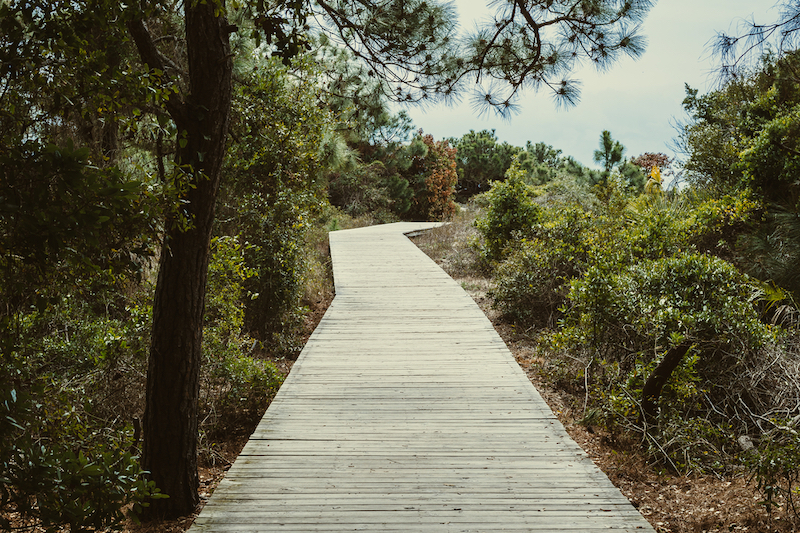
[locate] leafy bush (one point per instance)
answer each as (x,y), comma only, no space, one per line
(698,299)
(672,325)
(58,468)
(510,209)
(657,227)
(236,388)
(275,228)
(275,183)
(533,281)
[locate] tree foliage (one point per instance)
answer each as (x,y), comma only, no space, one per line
(528,45)
(737,53)
(432,177)
(743,137)
(480,160)
(610,153)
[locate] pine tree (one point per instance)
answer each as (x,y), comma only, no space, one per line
(610,152)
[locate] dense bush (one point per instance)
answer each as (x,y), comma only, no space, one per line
(76,239)
(71,381)
(657,227)
(654,334)
(80,475)
(646,309)
(275,183)
(236,387)
(510,209)
(533,281)
(274,228)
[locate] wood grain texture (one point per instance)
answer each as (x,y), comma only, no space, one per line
(406,412)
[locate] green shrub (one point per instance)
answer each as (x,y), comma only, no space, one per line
(699,298)
(71,383)
(686,298)
(275,229)
(250,384)
(510,210)
(533,281)
(63,469)
(673,325)
(657,227)
(275,180)
(774,465)
(236,388)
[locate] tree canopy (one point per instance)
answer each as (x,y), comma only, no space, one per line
(415,49)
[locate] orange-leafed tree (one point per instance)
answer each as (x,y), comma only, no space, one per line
(433,178)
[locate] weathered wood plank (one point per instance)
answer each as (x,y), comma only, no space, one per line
(406,412)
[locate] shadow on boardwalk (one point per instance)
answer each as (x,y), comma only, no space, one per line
(406,412)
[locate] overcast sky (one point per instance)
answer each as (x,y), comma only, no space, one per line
(637,101)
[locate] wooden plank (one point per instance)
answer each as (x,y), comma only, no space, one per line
(406,412)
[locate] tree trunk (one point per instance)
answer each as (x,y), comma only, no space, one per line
(170,419)
(651,392)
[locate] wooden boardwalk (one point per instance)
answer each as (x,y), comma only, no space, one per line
(406,412)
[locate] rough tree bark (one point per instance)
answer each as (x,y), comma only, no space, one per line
(651,392)
(202,118)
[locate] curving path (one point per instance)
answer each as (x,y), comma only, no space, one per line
(406,412)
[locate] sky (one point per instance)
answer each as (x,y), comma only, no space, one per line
(638,101)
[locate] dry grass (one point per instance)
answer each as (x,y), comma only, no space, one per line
(451,247)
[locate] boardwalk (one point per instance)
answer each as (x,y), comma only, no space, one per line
(406,412)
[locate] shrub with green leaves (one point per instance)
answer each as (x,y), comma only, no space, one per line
(657,227)
(687,299)
(60,466)
(236,387)
(274,184)
(510,210)
(275,228)
(674,326)
(534,280)
(695,298)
